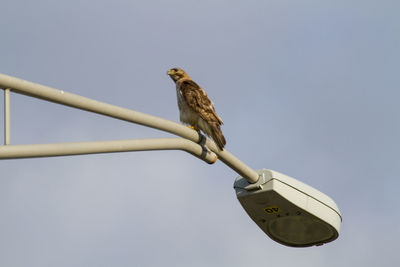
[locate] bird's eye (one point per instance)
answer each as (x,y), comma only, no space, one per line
(175,69)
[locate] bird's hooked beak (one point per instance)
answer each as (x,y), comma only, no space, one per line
(170,72)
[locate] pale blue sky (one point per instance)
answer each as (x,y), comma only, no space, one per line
(306,88)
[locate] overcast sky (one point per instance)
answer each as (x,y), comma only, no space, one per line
(307,88)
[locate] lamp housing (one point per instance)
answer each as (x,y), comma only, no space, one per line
(289,211)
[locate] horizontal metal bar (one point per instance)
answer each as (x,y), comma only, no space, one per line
(61,97)
(80,148)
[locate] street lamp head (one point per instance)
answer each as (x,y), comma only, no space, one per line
(289,211)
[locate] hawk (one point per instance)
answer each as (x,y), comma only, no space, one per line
(195,108)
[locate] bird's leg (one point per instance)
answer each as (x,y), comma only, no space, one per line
(194,128)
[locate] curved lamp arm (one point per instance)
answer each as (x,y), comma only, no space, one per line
(61,97)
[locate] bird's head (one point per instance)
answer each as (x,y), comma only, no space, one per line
(177,74)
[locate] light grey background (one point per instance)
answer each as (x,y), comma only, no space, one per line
(306,88)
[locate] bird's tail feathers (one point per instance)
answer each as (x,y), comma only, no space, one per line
(218,137)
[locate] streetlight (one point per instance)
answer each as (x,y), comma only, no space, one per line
(288,211)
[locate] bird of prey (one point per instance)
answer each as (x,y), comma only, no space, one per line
(195,108)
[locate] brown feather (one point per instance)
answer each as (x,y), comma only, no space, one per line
(218,137)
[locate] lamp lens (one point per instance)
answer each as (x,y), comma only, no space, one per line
(299,230)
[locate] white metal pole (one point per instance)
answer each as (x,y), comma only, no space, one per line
(7,116)
(58,96)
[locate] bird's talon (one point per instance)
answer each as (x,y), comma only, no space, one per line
(194,128)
